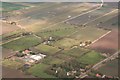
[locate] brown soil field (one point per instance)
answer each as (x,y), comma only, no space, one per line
(107,44)
(6,52)
(12,73)
(7,28)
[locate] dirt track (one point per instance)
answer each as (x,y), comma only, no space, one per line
(107,44)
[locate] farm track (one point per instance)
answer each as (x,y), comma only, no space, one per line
(75,16)
(67,20)
(95,20)
(100,37)
(101,16)
(58,22)
(11,40)
(96,66)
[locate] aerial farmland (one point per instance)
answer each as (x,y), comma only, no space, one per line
(59,39)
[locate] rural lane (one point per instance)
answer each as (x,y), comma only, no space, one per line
(99,64)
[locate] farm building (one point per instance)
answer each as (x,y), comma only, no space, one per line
(34,58)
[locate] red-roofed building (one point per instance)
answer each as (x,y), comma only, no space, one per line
(27,51)
(98,75)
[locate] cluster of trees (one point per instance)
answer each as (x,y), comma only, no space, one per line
(11,36)
(61,70)
(16,35)
(26,33)
(20,54)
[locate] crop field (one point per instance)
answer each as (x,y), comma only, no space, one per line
(107,44)
(46,49)
(75,52)
(51,15)
(23,43)
(73,36)
(7,7)
(92,15)
(39,71)
(66,43)
(110,21)
(111,66)
(87,58)
(11,35)
(7,52)
(81,34)
(60,30)
(12,64)
(13,73)
(63,57)
(52,60)
(91,58)
(89,33)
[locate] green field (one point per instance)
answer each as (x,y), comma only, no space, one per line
(63,56)
(49,50)
(66,43)
(52,60)
(72,35)
(61,30)
(38,70)
(75,52)
(91,58)
(7,7)
(23,43)
(12,64)
(11,35)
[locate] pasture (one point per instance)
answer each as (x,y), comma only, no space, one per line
(38,70)
(79,35)
(91,58)
(75,52)
(63,57)
(46,49)
(52,60)
(23,43)
(66,43)
(60,30)
(11,64)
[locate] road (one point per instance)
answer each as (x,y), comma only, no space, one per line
(99,64)
(96,66)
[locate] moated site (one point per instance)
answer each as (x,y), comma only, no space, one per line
(59,40)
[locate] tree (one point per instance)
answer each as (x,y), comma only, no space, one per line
(32,53)
(20,54)
(62,73)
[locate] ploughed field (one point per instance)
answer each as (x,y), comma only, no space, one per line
(107,44)
(111,67)
(56,30)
